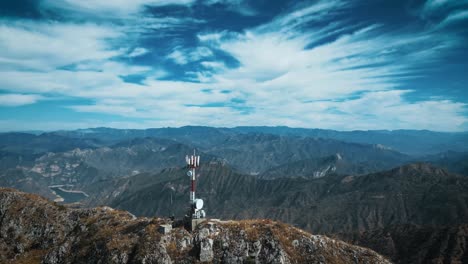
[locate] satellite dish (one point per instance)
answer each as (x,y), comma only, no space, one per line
(189,173)
(198,204)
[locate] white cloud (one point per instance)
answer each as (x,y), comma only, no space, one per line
(213,65)
(293,19)
(443,13)
(389,110)
(18,99)
(108,8)
(114,109)
(136,52)
(178,57)
(270,61)
(47,45)
(159,26)
(184,56)
(239,6)
(453,17)
(432,6)
(282,76)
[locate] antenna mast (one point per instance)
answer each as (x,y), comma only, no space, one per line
(196,205)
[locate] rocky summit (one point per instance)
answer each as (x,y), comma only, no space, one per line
(35,230)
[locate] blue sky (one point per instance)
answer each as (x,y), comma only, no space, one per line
(336,64)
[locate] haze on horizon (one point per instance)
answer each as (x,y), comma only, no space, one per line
(337,64)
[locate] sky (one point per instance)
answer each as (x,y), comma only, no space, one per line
(334,64)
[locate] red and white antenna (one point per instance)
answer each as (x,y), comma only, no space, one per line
(196,205)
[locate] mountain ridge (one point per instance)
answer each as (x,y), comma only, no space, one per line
(34,230)
(413,142)
(332,204)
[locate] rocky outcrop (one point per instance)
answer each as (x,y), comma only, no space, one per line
(34,230)
(265,241)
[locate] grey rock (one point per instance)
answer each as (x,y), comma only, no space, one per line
(206,250)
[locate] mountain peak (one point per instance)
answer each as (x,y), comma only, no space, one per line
(420,168)
(36,230)
(338,156)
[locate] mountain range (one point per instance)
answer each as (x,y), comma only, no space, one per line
(371,188)
(411,142)
(415,193)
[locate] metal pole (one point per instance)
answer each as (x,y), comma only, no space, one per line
(194,182)
(192,196)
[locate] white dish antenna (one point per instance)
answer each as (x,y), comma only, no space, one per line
(198,204)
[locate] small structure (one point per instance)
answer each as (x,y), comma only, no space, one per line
(196,214)
(165,229)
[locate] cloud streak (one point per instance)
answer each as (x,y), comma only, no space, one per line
(45,46)
(108,8)
(18,99)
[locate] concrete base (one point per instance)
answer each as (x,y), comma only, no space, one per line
(195,222)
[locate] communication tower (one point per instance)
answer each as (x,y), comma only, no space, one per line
(196,205)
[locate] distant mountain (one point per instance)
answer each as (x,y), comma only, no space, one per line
(234,146)
(411,142)
(81,168)
(34,230)
(320,167)
(10,160)
(194,135)
(27,182)
(33,144)
(51,159)
(456,162)
(256,153)
(415,193)
(417,244)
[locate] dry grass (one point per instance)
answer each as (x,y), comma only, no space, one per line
(172,250)
(286,234)
(252,228)
(32,257)
(257,230)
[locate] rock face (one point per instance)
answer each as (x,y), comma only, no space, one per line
(265,241)
(34,230)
